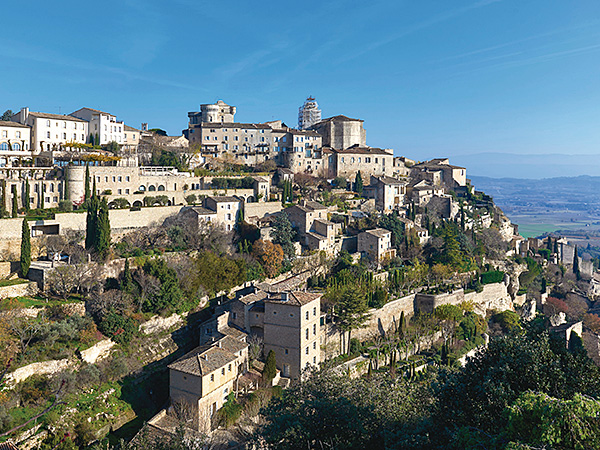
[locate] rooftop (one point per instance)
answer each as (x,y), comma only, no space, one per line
(356,149)
(296,298)
(225,199)
(5,123)
(205,359)
(338,118)
(55,116)
(379,232)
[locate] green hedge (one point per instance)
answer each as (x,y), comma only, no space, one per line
(493,276)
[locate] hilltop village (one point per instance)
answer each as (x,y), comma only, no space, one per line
(156,288)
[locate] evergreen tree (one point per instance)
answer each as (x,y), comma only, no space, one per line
(270,369)
(26,198)
(544,285)
(15,206)
(65,193)
(358,183)
(42,195)
(3,196)
(451,248)
(127,282)
(91,225)
(283,234)
(556,246)
(576,269)
(103,230)
(25,249)
(87,183)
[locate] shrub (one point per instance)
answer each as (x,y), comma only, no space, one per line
(107,192)
(35,389)
(230,412)
(65,206)
(118,327)
(493,276)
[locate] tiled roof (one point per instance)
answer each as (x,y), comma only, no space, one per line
(128,128)
(203,360)
(379,232)
(339,118)
(6,123)
(55,116)
(355,149)
(251,298)
(314,205)
(296,298)
(202,211)
(225,199)
(389,180)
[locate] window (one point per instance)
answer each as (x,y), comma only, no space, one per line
(229,368)
(212,377)
(223,371)
(314,329)
(64,135)
(4,133)
(274,313)
(47,123)
(127,178)
(228,216)
(307,350)
(306,315)
(18,134)
(287,351)
(119,191)
(120,179)
(127,191)
(114,179)
(48,135)
(314,311)
(314,359)
(315,345)
(307,333)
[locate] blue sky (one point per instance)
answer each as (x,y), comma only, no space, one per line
(428,77)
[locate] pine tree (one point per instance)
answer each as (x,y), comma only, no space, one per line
(26,198)
(576,269)
(65,193)
(25,249)
(87,183)
(358,183)
(103,230)
(15,205)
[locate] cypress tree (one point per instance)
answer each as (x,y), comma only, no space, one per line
(358,183)
(91,225)
(15,206)
(26,198)
(576,270)
(127,279)
(42,205)
(87,183)
(25,249)
(103,230)
(270,369)
(65,193)
(3,211)
(556,246)
(402,324)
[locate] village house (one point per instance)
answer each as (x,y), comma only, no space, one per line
(388,193)
(202,379)
(440,171)
(226,208)
(15,140)
(376,244)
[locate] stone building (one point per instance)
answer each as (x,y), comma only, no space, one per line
(292,330)
(202,379)
(226,208)
(440,171)
(370,161)
(388,192)
(303,217)
(376,244)
(341,132)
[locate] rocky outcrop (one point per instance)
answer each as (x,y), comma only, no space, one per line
(158,324)
(39,368)
(529,310)
(97,352)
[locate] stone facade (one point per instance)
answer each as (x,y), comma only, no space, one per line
(341,132)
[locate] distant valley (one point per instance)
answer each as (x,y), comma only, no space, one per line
(568,204)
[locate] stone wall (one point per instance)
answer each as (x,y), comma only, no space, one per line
(386,318)
(261,209)
(493,297)
(5,270)
(19,290)
(39,368)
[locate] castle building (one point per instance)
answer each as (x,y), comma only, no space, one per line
(341,132)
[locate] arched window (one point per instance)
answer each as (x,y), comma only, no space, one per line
(161,187)
(4,146)
(151,187)
(142,188)
(16,146)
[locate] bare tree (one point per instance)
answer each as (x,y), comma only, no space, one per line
(255,349)
(148,284)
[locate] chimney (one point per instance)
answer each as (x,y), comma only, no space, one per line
(219,344)
(23,114)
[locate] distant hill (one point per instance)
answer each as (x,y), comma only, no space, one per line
(531,166)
